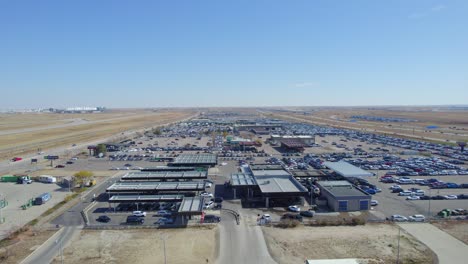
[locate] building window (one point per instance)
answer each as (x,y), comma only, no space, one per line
(342,206)
(364,205)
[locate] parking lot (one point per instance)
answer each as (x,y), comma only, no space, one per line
(18,194)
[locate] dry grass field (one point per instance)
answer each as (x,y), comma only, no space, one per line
(452,125)
(376,242)
(185,245)
(25,133)
(458,229)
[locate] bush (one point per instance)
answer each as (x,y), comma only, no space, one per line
(287,223)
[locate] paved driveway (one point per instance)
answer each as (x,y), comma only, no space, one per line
(449,250)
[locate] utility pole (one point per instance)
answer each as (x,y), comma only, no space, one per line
(398,247)
(164,237)
(60,249)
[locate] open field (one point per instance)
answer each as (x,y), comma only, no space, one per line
(458,229)
(188,245)
(452,125)
(88,127)
(17,249)
(375,241)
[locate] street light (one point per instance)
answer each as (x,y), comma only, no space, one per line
(60,249)
(398,248)
(163,238)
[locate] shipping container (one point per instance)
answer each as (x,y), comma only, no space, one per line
(43,198)
(9,178)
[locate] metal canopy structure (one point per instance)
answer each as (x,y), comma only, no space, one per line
(165,175)
(167,168)
(191,205)
(195,159)
(242,179)
(155,187)
(345,169)
(126,198)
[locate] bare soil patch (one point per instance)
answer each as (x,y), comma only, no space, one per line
(457,229)
(188,245)
(377,242)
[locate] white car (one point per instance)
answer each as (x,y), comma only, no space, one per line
(406,193)
(163,213)
(450,197)
(412,198)
(206,194)
(266,218)
(209,205)
(395,187)
(294,208)
(417,218)
(398,218)
(374,202)
(139,213)
(208,184)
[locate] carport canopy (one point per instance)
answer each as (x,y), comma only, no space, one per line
(345,169)
(191,206)
(128,198)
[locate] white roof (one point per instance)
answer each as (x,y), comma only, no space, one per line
(347,170)
(332,261)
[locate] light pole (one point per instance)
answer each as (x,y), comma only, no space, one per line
(398,247)
(429,207)
(164,237)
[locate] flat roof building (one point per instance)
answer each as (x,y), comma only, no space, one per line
(269,187)
(149,187)
(342,196)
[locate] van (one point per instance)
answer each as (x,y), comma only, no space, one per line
(43,198)
(135,220)
(47,179)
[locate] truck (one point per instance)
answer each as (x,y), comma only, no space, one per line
(9,178)
(47,179)
(43,198)
(24,180)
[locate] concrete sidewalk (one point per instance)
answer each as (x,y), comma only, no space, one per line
(449,250)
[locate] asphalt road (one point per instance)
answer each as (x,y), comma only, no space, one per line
(449,250)
(243,243)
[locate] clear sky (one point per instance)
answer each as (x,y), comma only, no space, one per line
(232,53)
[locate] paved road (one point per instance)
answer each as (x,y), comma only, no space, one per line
(72,222)
(449,250)
(242,243)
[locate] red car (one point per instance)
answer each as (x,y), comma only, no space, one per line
(16,159)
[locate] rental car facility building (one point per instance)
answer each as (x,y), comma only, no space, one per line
(342,196)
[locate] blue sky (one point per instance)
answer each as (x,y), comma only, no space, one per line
(233,53)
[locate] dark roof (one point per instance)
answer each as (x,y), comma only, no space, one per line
(293,143)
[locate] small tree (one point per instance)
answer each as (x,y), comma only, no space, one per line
(157,131)
(82,177)
(225,133)
(101,148)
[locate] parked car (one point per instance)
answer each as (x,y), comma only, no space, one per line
(374,202)
(69,162)
(139,213)
(163,213)
(414,197)
(103,218)
(450,197)
(417,218)
(165,221)
(212,219)
(292,217)
(131,219)
(307,213)
(218,199)
(266,217)
(208,205)
(206,194)
(294,208)
(406,193)
(60,166)
(398,218)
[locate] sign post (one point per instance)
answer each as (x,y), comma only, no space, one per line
(51,158)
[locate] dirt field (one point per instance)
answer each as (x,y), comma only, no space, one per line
(452,125)
(187,245)
(15,250)
(376,242)
(25,133)
(458,229)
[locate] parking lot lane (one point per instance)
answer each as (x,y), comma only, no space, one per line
(449,250)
